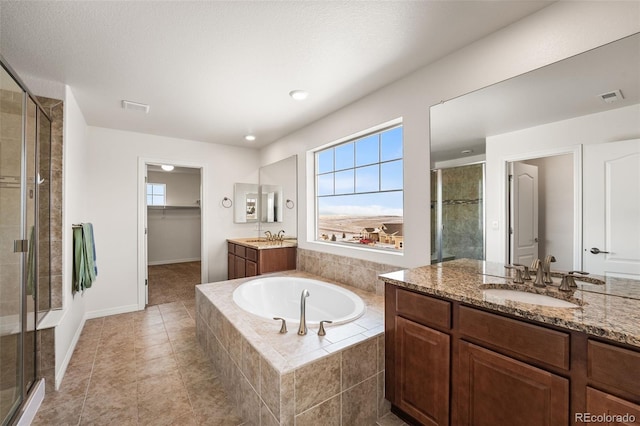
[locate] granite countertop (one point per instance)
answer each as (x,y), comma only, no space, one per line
(610,309)
(262,243)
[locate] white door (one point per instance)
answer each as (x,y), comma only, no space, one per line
(524,213)
(146,239)
(611,218)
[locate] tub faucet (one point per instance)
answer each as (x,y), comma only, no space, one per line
(302,330)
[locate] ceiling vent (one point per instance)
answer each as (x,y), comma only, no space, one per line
(135,106)
(611,97)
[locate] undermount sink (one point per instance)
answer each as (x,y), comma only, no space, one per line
(502,295)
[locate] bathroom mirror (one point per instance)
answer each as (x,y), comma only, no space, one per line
(271,203)
(278,196)
(548,119)
(245,202)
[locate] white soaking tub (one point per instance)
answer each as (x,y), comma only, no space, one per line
(280,297)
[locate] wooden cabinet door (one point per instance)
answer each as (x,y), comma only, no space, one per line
(422,372)
(493,389)
(231,266)
(250,269)
(618,411)
(240,264)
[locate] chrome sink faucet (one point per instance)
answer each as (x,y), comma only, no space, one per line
(302,330)
(269,235)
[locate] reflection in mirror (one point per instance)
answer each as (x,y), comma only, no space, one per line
(245,202)
(271,203)
(278,197)
(457,208)
(545,120)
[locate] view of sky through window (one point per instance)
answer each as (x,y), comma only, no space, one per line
(359,191)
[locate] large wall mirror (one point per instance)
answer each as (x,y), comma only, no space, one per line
(278,195)
(272,203)
(546,163)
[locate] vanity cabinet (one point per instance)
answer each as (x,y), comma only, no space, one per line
(494,389)
(450,363)
(613,375)
(244,261)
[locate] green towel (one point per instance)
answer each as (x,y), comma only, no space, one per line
(84,258)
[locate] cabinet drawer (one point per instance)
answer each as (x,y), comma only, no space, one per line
(613,366)
(240,251)
(527,340)
(231,248)
(251,254)
(423,309)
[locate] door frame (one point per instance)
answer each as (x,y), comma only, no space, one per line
(142,217)
(576,152)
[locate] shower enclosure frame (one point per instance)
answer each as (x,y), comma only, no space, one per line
(29,387)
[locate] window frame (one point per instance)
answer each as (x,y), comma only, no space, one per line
(147,194)
(375,131)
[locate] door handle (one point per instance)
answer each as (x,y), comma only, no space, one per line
(596,250)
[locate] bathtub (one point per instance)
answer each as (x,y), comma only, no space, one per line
(280,297)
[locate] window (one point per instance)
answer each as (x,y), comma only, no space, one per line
(156,194)
(359,191)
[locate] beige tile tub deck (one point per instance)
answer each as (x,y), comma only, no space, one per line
(287,379)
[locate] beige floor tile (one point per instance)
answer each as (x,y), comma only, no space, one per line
(157,367)
(162,409)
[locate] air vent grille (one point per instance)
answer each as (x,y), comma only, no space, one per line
(611,97)
(135,106)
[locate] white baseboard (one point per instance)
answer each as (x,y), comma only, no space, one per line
(67,358)
(113,311)
(169,262)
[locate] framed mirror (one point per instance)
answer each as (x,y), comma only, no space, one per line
(245,202)
(549,120)
(279,197)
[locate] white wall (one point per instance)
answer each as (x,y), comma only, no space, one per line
(282,173)
(75,170)
(610,126)
(561,30)
(112,205)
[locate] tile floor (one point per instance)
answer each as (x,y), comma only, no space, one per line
(143,368)
(173,282)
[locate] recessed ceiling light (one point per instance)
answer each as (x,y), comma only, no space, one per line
(250,138)
(167,167)
(466,151)
(299,95)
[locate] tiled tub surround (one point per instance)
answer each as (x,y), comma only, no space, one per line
(286,379)
(362,274)
(611,311)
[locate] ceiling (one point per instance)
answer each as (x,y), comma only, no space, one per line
(560,91)
(215,71)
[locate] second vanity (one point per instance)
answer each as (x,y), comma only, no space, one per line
(457,355)
(248,257)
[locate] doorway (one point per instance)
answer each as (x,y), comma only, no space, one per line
(541,210)
(172,247)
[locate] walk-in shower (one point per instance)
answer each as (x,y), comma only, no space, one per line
(25,176)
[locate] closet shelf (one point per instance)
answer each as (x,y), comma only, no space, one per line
(172,207)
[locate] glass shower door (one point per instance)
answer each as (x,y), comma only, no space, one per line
(11,236)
